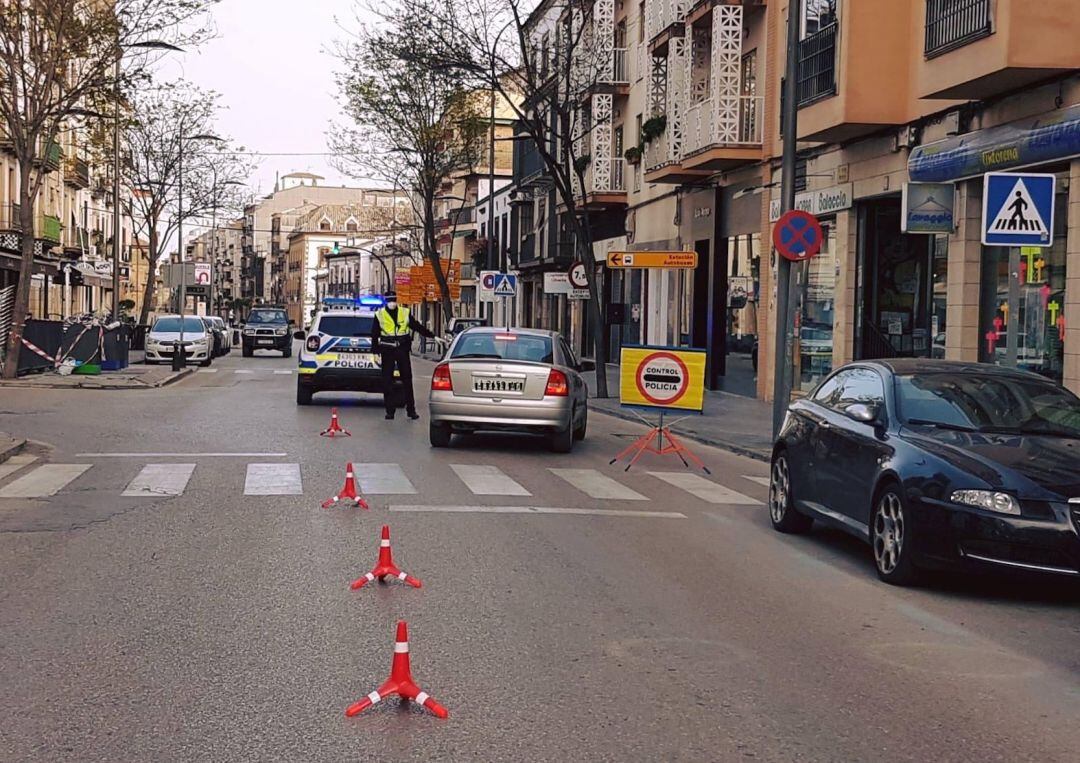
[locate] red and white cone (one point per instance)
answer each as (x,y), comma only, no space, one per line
(334,428)
(348,492)
(400,682)
(385,567)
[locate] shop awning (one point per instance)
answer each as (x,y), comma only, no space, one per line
(1046,138)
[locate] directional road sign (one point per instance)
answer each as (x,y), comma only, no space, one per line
(1018,209)
(797,235)
(673,260)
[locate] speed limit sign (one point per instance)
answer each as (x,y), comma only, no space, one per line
(578,276)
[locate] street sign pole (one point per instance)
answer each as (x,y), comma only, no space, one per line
(783,341)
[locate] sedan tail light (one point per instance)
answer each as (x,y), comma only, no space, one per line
(556,384)
(312,343)
(440,379)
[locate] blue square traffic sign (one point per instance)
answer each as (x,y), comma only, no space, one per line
(1018,209)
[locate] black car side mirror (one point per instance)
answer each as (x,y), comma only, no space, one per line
(298,335)
(865,413)
(587,365)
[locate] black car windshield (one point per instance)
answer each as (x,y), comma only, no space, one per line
(346,325)
(165,325)
(267,316)
(487,344)
(988,403)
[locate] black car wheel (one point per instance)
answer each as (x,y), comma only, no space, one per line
(248,350)
(287,352)
(782,512)
(562,441)
(303,395)
(579,433)
(890,535)
(439,434)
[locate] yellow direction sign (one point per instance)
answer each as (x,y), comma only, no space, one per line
(674,260)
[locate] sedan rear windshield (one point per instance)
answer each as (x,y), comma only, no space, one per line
(526,347)
(988,403)
(194,325)
(268,316)
(346,325)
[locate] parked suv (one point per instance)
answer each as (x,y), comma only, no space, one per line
(267,328)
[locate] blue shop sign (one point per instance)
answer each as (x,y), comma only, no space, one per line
(1046,138)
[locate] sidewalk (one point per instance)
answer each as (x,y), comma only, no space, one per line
(132,377)
(9,446)
(740,424)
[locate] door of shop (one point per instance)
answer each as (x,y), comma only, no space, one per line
(900,286)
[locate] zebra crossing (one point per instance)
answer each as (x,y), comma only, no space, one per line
(23,477)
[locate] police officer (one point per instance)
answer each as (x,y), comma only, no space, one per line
(391,336)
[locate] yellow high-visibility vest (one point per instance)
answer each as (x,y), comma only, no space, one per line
(389,327)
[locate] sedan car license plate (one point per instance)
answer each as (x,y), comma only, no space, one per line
(497,384)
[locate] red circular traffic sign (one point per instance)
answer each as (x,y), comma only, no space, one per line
(797,235)
(662,378)
(578,276)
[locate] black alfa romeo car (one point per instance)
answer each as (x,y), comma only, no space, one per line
(935,464)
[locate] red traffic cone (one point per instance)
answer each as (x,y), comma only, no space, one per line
(349,491)
(386,566)
(334,427)
(400,681)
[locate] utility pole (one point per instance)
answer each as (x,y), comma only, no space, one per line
(491,188)
(783,341)
(116,191)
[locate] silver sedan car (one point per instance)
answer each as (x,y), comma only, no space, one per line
(518,380)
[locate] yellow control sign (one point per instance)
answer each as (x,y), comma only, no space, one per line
(673,260)
(662,377)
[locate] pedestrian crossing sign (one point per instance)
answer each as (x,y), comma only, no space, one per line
(1018,209)
(505,285)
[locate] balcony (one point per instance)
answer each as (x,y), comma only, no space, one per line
(620,66)
(77,173)
(723,138)
(605,182)
(953,23)
(9,218)
(661,166)
(976,49)
(49,228)
(817,66)
(51,157)
(664,20)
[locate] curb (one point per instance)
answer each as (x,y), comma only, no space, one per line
(7,451)
(173,378)
(738,450)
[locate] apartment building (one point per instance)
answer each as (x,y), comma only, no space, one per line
(73,228)
(684,153)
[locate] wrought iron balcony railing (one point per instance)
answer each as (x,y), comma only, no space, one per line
(817,66)
(952,24)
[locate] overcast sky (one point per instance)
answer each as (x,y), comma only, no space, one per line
(272,65)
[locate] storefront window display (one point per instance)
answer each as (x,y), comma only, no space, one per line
(1022,303)
(815,340)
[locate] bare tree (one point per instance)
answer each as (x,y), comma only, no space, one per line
(415,124)
(57,57)
(500,44)
(163,134)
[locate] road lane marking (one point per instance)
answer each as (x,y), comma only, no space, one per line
(538,510)
(273,479)
(285,371)
(763,481)
(597,485)
(383,479)
(160,479)
(43,481)
(206,370)
(181,455)
(483,479)
(243,371)
(710,492)
(15,463)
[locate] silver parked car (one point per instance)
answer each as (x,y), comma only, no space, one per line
(519,380)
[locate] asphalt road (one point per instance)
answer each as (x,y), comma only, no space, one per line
(218,625)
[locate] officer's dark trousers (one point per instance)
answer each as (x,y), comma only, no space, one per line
(398,358)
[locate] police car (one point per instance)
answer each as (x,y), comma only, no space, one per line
(337,354)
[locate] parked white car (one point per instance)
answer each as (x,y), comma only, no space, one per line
(198,342)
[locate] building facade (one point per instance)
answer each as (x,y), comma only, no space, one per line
(684,153)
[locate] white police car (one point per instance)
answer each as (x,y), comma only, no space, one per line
(337,354)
